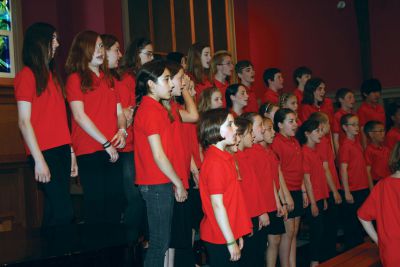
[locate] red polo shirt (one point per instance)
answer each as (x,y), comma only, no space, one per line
(127,97)
(325,151)
(299,95)
(252,105)
(351,152)
(271,96)
(199,87)
(218,175)
(312,165)
(368,112)
(48,113)
(337,128)
(100,105)
(222,87)
(179,151)
(392,137)
(326,107)
(383,206)
(290,157)
(151,118)
(250,185)
(378,158)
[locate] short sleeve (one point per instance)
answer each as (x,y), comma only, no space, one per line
(25,85)
(344,154)
(277,148)
(336,124)
(73,88)
(152,123)
(323,150)
(368,210)
(307,165)
(215,178)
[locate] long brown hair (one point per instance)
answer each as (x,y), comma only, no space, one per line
(206,98)
(36,55)
(79,56)
(195,68)
(108,41)
(130,62)
(216,60)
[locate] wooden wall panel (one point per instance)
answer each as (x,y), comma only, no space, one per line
(139,19)
(219,25)
(201,21)
(182,24)
(162,26)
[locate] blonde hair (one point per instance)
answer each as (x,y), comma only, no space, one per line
(205,99)
(217,60)
(284,98)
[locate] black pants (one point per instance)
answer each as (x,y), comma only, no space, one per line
(101,180)
(134,215)
(316,231)
(253,252)
(353,230)
(331,217)
(57,208)
(219,255)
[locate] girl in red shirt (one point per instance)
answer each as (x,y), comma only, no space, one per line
(181,155)
(253,252)
(155,174)
(309,135)
(314,99)
(225,219)
(382,205)
(236,98)
(42,119)
(221,68)
(289,153)
(345,101)
(355,180)
(98,128)
(198,65)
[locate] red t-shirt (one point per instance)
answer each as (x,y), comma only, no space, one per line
(179,151)
(222,87)
(199,87)
(383,206)
(392,137)
(299,95)
(368,112)
(127,96)
(290,156)
(312,165)
(100,105)
(326,107)
(271,96)
(378,158)
(151,118)
(325,151)
(218,175)
(48,113)
(351,152)
(252,105)
(337,128)
(250,185)
(265,164)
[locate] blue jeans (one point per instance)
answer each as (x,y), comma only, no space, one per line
(159,203)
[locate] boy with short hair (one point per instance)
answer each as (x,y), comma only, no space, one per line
(274,81)
(300,76)
(245,71)
(376,154)
(370,109)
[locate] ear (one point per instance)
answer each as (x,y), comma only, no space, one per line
(239,75)
(232,97)
(151,85)
(280,125)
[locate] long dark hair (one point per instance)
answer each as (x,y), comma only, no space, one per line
(130,62)
(36,54)
(231,90)
(79,56)
(108,41)
(194,62)
(209,125)
(280,116)
(309,89)
(307,126)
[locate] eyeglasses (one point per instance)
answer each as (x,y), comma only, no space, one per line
(147,53)
(353,124)
(378,131)
(227,63)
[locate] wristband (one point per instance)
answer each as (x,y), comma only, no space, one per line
(231,243)
(106,144)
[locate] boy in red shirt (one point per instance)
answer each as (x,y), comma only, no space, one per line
(382,205)
(370,109)
(355,180)
(376,154)
(274,81)
(245,71)
(300,76)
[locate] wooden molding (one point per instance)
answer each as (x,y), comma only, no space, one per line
(210,26)
(173,29)
(192,26)
(7,82)
(151,21)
